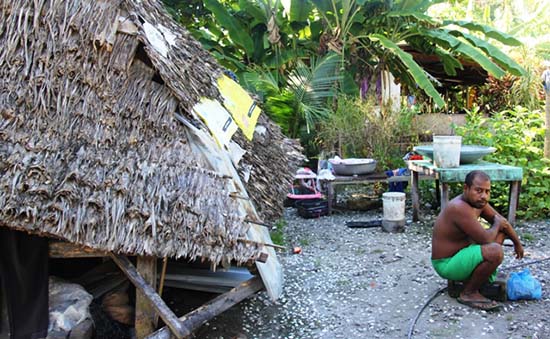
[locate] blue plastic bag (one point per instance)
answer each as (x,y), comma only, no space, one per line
(522,285)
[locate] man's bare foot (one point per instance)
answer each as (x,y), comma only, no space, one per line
(476,300)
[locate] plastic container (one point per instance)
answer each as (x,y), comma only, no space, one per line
(313,208)
(447,150)
(394,211)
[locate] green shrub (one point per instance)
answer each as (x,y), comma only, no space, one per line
(518,136)
(277,233)
(343,131)
(360,128)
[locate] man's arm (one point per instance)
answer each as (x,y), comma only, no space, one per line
(466,220)
(491,215)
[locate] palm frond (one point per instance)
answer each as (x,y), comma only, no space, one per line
(312,84)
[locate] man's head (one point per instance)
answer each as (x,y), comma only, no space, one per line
(477,189)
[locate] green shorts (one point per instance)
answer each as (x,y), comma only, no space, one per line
(461,265)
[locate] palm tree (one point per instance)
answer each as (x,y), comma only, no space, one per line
(302,100)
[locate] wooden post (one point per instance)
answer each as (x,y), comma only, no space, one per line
(444,193)
(331,196)
(149,293)
(145,313)
(438,193)
(196,318)
(415,195)
(513,200)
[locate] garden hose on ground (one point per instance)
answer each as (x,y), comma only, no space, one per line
(443,289)
(524,264)
(413,323)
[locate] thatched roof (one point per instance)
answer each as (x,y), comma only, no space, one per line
(271,162)
(89,148)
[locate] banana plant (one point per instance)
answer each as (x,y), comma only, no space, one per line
(386,28)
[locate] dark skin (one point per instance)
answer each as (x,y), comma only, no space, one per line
(457,227)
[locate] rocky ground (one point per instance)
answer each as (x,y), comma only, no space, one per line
(365,283)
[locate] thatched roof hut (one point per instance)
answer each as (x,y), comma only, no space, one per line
(90,147)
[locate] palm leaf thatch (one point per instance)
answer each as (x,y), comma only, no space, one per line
(90,150)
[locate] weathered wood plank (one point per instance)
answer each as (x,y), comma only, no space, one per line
(271,271)
(61,249)
(165,313)
(196,318)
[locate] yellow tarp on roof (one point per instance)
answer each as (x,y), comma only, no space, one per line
(239,103)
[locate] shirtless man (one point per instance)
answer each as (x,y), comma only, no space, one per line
(462,249)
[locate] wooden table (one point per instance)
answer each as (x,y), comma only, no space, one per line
(357,179)
(496,172)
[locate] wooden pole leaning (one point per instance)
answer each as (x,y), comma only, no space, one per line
(158,304)
(196,318)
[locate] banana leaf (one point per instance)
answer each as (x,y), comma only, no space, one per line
(300,10)
(237,33)
(418,74)
(500,57)
(323,6)
(416,5)
(444,38)
(450,63)
(251,8)
(420,17)
(488,31)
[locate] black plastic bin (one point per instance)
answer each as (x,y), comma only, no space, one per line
(312,208)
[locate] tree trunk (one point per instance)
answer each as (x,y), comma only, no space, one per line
(547,131)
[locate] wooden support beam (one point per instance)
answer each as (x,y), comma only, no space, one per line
(61,249)
(145,313)
(192,320)
(165,313)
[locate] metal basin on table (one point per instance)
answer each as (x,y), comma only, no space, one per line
(353,166)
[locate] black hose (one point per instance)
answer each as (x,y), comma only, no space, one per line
(413,323)
(524,264)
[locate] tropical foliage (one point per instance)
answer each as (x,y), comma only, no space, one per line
(246,35)
(526,19)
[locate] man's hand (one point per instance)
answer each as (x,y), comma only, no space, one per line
(506,228)
(518,248)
